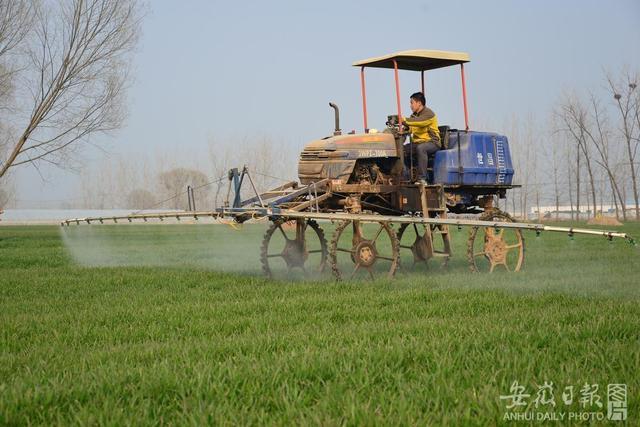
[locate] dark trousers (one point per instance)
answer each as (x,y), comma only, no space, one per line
(422,152)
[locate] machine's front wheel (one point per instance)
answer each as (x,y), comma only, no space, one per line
(359,249)
(289,245)
(489,247)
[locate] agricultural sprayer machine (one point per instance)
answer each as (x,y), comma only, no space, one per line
(363,184)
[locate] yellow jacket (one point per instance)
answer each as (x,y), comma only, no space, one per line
(424,126)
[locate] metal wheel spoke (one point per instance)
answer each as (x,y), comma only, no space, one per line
(517,245)
(357,229)
(344,250)
(405,246)
(274,255)
(378,233)
(353,273)
(479,254)
(315,251)
(385,258)
(371,273)
(283,233)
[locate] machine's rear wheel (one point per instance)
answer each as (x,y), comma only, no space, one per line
(370,250)
(489,247)
(289,245)
(424,245)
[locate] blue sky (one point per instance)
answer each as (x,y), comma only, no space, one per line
(220,69)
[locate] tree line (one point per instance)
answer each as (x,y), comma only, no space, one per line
(65,69)
(584,155)
(160,182)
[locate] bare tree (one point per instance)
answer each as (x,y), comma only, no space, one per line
(520,147)
(16,19)
(553,153)
(527,154)
(269,163)
(15,22)
(175,182)
(76,75)
(578,180)
(599,138)
(140,199)
(574,117)
(525,135)
(569,175)
(221,159)
(627,101)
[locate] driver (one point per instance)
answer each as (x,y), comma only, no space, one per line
(423,125)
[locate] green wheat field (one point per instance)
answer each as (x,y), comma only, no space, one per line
(175,324)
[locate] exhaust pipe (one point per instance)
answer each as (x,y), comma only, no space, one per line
(337,130)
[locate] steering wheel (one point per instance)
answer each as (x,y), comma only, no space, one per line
(393,124)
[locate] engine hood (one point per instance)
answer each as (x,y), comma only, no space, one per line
(379,144)
(334,157)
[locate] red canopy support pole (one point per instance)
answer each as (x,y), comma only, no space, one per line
(395,71)
(422,81)
(364,100)
(464,98)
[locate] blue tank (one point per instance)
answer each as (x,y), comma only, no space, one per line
(474,158)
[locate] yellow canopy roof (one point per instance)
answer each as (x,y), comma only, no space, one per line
(416,60)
